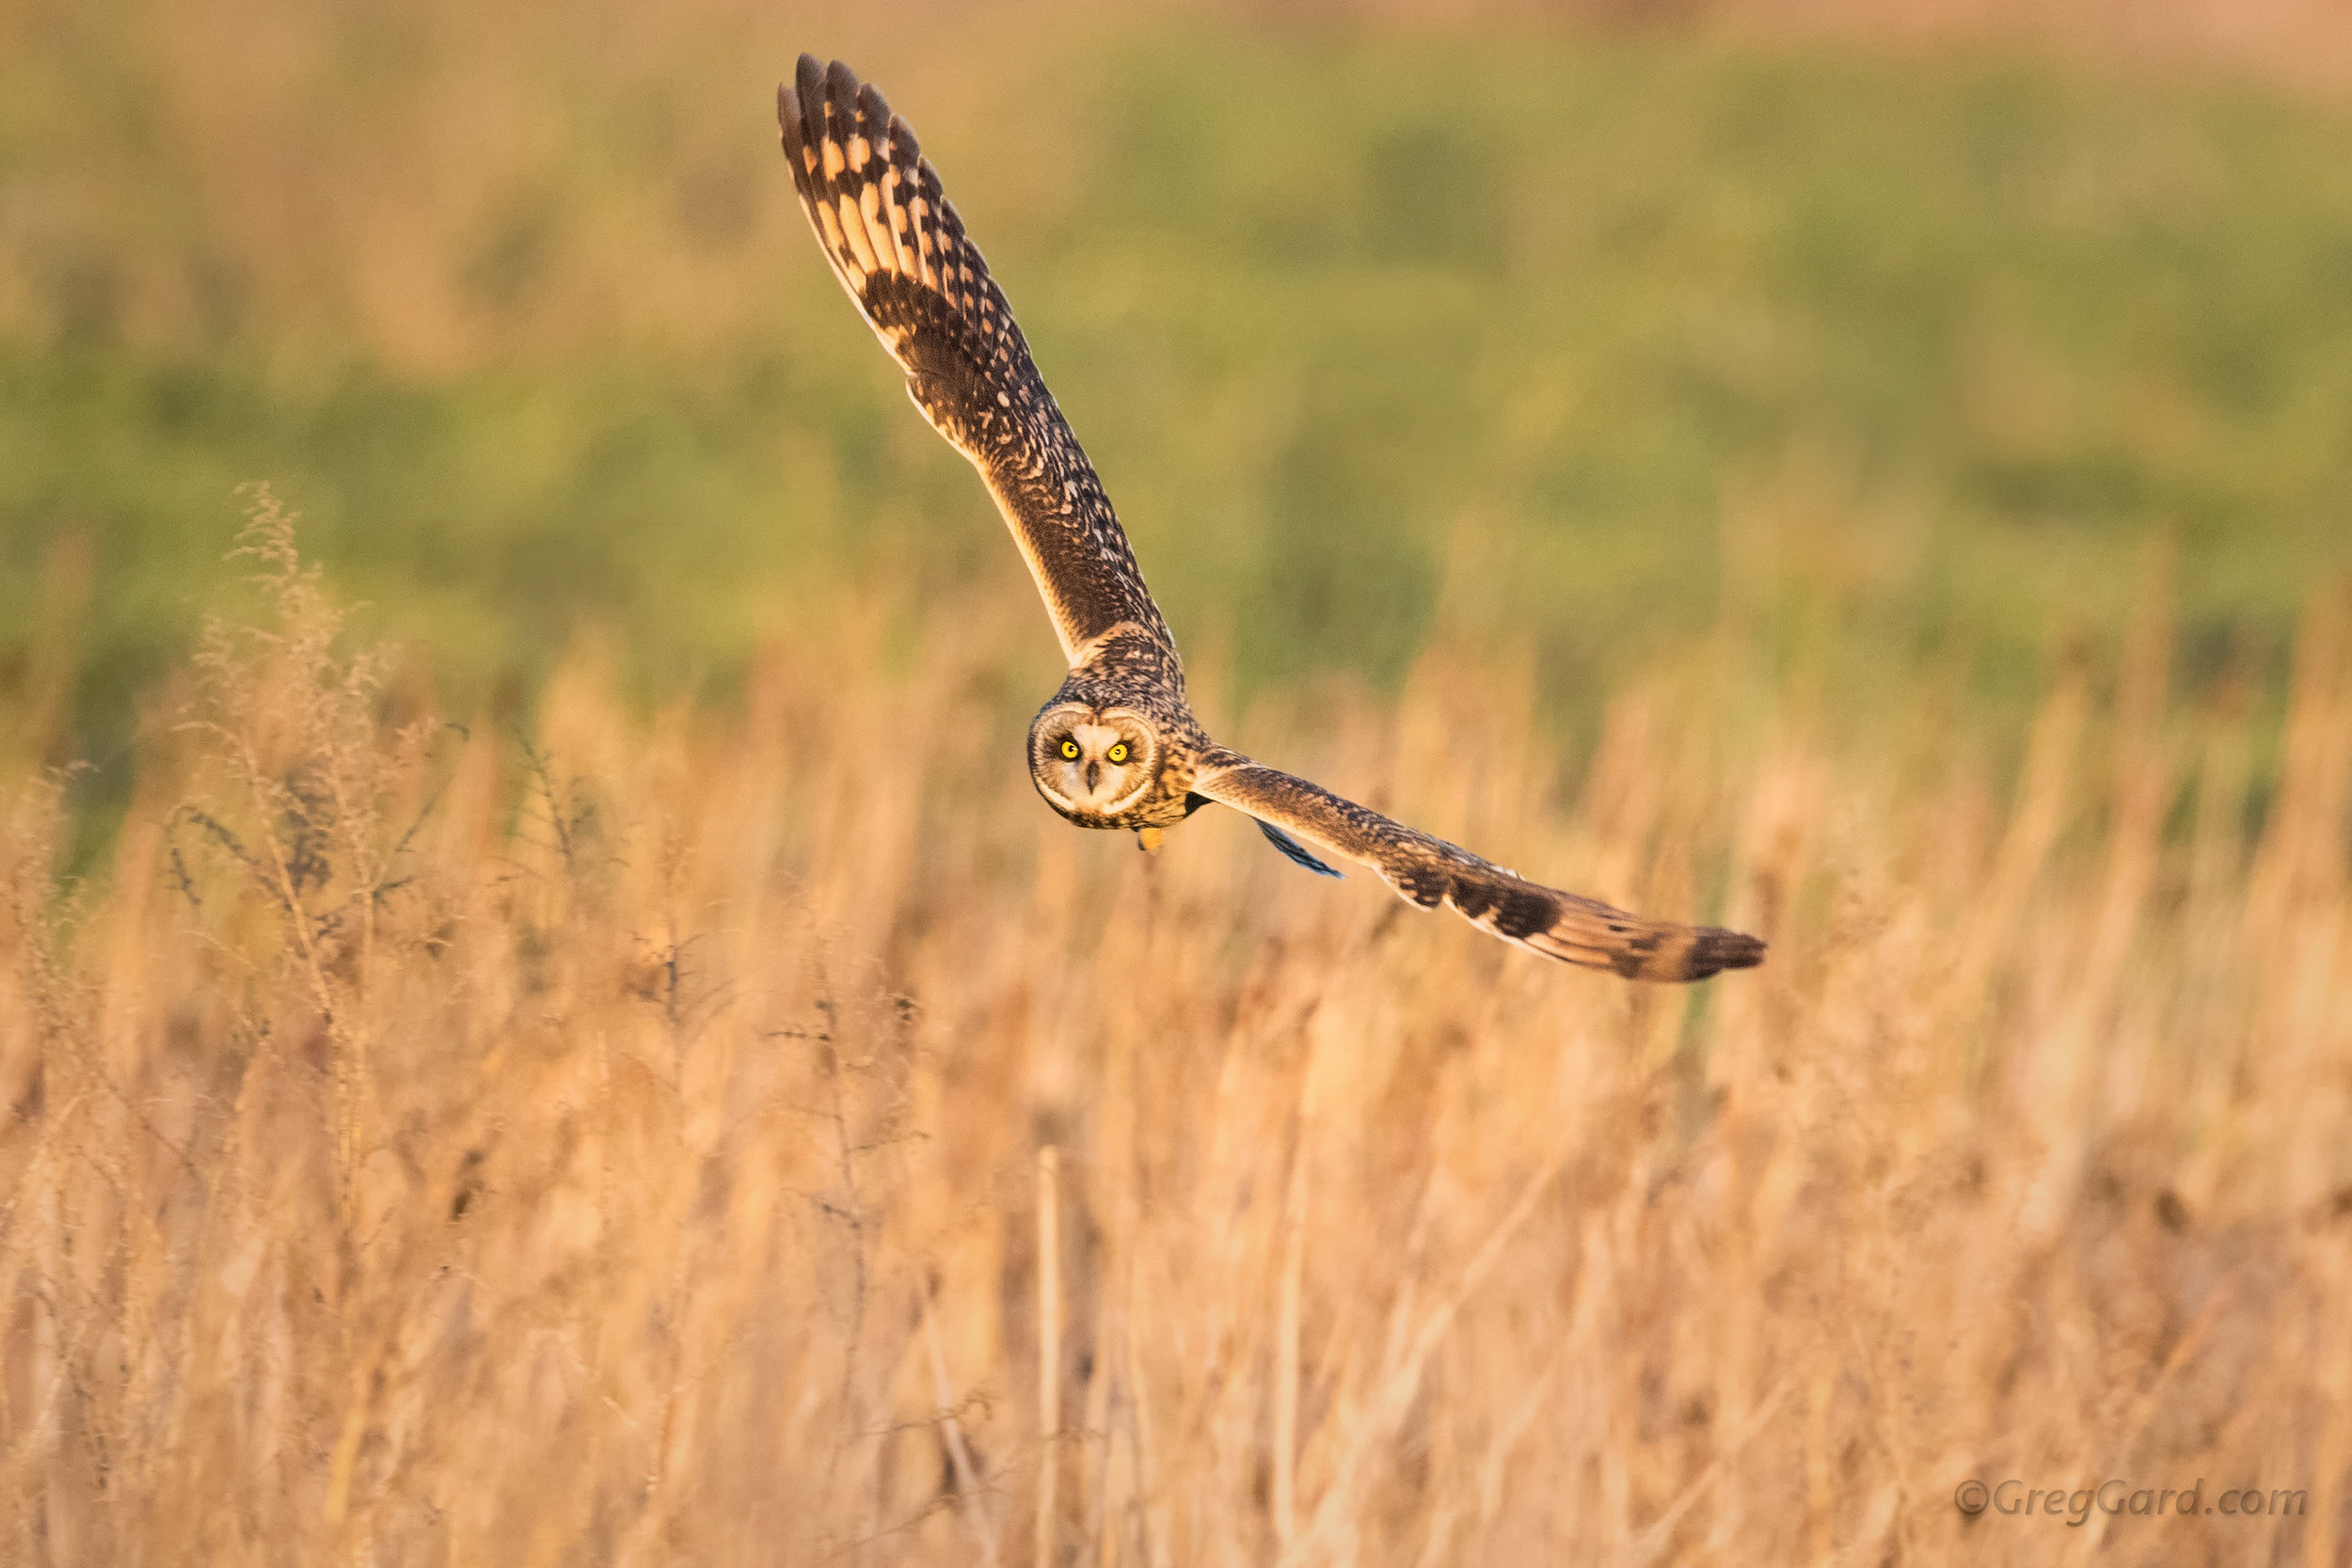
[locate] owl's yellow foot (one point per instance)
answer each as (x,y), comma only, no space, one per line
(1147,839)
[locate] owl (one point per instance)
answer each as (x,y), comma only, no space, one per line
(1118,746)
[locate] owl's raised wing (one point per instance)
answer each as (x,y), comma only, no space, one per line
(898,246)
(1429,872)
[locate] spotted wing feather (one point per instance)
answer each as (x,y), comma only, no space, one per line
(897,245)
(1428,872)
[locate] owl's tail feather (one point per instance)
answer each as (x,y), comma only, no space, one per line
(1292,848)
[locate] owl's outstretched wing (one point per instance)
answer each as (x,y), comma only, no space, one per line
(1428,872)
(898,246)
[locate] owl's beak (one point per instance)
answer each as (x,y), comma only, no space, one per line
(1094,777)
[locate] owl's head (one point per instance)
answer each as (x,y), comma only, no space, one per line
(1092,762)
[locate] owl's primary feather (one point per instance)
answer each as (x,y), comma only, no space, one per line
(897,245)
(1118,746)
(1428,871)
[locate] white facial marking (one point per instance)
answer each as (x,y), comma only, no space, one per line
(1091,781)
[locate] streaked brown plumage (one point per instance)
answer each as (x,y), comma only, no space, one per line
(1118,746)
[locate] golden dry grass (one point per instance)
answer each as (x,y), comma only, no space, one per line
(629,1147)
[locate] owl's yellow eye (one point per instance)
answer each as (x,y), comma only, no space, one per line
(1070,749)
(1117,752)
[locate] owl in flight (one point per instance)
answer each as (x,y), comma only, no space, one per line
(1118,746)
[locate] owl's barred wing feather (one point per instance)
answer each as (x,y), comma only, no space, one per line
(1428,872)
(898,246)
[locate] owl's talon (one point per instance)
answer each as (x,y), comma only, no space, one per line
(1148,840)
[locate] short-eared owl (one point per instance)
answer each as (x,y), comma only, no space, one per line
(1118,746)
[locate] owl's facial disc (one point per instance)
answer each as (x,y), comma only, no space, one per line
(1092,764)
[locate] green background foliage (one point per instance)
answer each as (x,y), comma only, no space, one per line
(1585,343)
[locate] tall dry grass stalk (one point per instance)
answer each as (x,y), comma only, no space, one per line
(769,1135)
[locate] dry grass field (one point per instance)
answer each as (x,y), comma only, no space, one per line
(630,1073)
(763,1134)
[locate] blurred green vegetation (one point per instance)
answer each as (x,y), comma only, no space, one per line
(1589,344)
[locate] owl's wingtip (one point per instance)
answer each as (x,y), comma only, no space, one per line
(1716,950)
